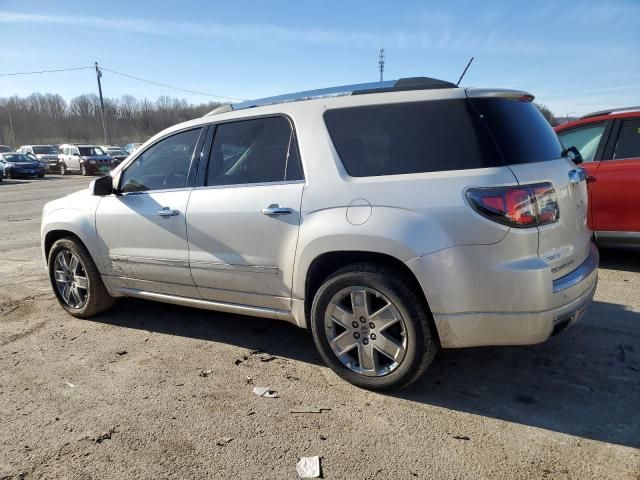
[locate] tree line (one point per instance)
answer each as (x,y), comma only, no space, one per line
(50,119)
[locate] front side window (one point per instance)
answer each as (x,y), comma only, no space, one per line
(254,151)
(586,139)
(162,166)
(628,144)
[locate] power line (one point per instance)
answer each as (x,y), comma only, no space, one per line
(121,74)
(168,86)
(43,71)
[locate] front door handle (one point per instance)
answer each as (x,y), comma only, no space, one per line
(167,212)
(275,210)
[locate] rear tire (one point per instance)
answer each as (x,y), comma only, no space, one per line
(86,295)
(393,321)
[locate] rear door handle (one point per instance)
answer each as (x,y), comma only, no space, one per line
(167,212)
(275,210)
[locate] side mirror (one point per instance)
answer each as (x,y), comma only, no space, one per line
(575,156)
(102,186)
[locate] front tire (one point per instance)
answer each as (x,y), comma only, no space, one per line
(75,279)
(63,169)
(371,328)
(83,170)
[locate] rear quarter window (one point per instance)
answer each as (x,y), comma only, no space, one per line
(416,137)
(522,134)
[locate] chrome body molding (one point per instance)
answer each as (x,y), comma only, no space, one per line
(209,304)
(234,267)
(147,260)
(196,264)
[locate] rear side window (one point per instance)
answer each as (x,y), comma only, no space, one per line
(586,139)
(410,138)
(260,150)
(628,144)
(522,134)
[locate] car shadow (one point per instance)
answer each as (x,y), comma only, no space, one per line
(623,259)
(584,382)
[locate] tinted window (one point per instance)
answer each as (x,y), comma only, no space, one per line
(628,144)
(91,151)
(45,150)
(410,138)
(163,165)
(585,139)
(523,135)
(253,151)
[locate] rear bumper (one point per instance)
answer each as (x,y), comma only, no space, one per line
(545,307)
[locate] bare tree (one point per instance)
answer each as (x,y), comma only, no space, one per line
(47,118)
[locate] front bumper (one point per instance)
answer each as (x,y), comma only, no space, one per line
(544,308)
(98,167)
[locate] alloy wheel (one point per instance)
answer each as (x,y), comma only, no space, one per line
(71,279)
(366,331)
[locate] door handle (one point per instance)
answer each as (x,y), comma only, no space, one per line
(167,212)
(591,179)
(275,210)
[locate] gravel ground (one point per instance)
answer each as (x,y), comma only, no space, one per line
(153,391)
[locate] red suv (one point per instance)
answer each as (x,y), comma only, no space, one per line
(609,142)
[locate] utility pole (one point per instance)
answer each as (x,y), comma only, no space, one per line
(104,125)
(381,62)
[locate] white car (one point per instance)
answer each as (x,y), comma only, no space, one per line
(390,219)
(45,154)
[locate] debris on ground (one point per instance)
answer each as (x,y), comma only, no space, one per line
(461,437)
(249,379)
(308,467)
(265,392)
(309,409)
(69,384)
(223,441)
(104,436)
(260,354)
(204,373)
(121,352)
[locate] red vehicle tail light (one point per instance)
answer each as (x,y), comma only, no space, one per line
(519,206)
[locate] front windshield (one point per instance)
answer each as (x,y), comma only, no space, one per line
(4,148)
(18,158)
(118,152)
(45,150)
(90,151)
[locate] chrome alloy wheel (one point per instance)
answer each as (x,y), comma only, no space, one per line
(71,279)
(365,331)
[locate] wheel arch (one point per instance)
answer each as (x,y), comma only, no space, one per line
(327,263)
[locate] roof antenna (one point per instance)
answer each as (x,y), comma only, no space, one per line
(465,71)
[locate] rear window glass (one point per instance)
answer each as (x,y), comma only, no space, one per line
(410,138)
(521,132)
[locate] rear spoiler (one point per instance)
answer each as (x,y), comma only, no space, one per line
(500,93)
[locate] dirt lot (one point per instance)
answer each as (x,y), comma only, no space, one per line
(151,391)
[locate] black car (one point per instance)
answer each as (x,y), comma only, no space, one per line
(20,165)
(117,156)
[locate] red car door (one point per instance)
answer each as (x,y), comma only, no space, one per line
(615,193)
(589,138)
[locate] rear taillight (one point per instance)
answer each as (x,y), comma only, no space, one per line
(520,206)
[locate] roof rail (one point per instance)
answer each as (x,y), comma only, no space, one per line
(611,111)
(403,84)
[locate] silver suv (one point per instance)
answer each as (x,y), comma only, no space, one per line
(389,219)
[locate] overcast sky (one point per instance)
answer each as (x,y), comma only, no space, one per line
(574,56)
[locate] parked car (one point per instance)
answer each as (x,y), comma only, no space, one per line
(117,156)
(85,159)
(131,147)
(609,143)
(6,148)
(14,164)
(390,219)
(46,154)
